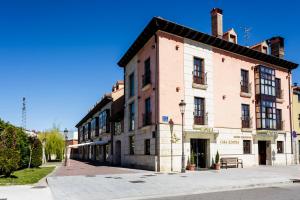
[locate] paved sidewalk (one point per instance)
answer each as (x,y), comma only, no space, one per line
(77,168)
(151,185)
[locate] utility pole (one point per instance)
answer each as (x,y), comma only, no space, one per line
(24,114)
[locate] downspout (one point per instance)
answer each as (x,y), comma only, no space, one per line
(157,136)
(290,110)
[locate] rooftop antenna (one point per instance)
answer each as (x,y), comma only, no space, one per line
(246,36)
(24,114)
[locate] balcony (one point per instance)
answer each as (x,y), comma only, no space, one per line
(147,119)
(279,96)
(280,125)
(245,89)
(201,120)
(200,81)
(246,123)
(146,78)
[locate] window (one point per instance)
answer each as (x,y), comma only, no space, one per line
(299,119)
(89,130)
(147,72)
(279,146)
(299,98)
(131,145)
(118,128)
(244,81)
(147,147)
(103,122)
(279,123)
(131,116)
(131,85)
(265,81)
(199,112)
(245,116)
(147,114)
(266,115)
(278,88)
(95,127)
(232,38)
(265,49)
(199,74)
(247,146)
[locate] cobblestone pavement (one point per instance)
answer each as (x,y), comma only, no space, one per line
(77,168)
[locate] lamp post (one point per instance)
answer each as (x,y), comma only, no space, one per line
(66,146)
(171,123)
(182,109)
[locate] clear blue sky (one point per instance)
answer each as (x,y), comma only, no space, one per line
(61,55)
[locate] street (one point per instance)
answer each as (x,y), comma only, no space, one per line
(288,192)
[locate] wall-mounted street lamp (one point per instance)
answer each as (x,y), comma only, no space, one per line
(182,105)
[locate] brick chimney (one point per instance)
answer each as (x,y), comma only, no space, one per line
(277,46)
(217,22)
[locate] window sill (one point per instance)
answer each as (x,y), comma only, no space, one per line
(200,86)
(146,87)
(246,129)
(246,94)
(279,100)
(197,126)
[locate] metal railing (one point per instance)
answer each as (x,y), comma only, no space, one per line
(201,119)
(280,125)
(245,87)
(279,94)
(246,122)
(202,79)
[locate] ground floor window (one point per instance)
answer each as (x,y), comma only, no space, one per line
(147,147)
(131,145)
(279,146)
(247,146)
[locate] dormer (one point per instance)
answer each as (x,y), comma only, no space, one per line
(261,47)
(230,36)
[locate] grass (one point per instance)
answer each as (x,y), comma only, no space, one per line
(26,176)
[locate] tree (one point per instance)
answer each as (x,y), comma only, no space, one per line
(9,152)
(37,153)
(54,143)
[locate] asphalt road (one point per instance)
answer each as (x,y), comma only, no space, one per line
(288,192)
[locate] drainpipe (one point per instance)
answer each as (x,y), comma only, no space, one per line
(157,151)
(290,110)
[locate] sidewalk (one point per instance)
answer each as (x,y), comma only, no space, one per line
(36,191)
(150,184)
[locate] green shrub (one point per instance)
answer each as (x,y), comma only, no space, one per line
(37,153)
(9,153)
(217,157)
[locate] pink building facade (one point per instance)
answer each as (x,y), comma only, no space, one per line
(237,99)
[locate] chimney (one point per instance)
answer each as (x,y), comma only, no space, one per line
(277,46)
(217,22)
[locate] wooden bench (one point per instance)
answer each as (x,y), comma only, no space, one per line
(232,161)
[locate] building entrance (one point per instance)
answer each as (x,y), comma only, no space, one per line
(199,152)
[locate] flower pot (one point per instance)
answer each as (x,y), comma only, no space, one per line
(217,166)
(191,167)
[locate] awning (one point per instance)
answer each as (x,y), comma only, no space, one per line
(88,143)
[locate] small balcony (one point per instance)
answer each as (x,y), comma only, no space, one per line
(280,125)
(200,81)
(146,78)
(147,119)
(245,89)
(246,123)
(201,120)
(279,96)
